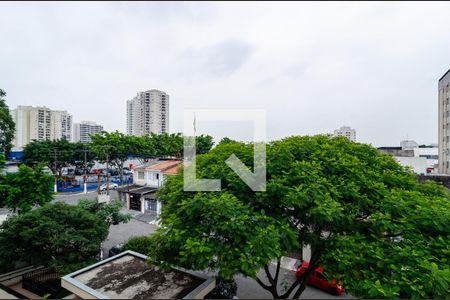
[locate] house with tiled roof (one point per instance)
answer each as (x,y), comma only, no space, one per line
(147,178)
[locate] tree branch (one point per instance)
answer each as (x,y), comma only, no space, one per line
(262,284)
(315,255)
(293,286)
(277,272)
(269,276)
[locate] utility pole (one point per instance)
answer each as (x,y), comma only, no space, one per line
(55,189)
(107,173)
(85,170)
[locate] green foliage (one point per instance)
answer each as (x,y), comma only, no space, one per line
(217,231)
(7,126)
(140,244)
(204,143)
(26,188)
(411,256)
(166,145)
(56,235)
(67,154)
(347,201)
(109,212)
(226,140)
(118,147)
(2,162)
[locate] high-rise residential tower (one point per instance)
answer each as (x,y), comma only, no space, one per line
(83,130)
(443,131)
(347,132)
(40,123)
(61,125)
(147,113)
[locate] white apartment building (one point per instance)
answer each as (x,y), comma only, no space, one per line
(347,132)
(83,130)
(61,125)
(147,113)
(443,120)
(40,123)
(422,159)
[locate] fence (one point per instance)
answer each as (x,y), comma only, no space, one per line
(90,186)
(42,282)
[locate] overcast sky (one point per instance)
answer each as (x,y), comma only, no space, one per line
(313,66)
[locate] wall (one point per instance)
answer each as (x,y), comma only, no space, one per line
(444,179)
(418,164)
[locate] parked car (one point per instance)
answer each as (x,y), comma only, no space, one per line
(319,280)
(112,172)
(96,171)
(112,186)
(80,171)
(127,172)
(115,250)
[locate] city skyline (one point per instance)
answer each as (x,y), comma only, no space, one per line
(381,79)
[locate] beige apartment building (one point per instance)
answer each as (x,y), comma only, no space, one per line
(40,123)
(443,131)
(147,113)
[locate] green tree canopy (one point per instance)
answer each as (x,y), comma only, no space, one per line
(110,212)
(365,218)
(7,126)
(26,188)
(56,154)
(140,244)
(114,147)
(119,147)
(57,235)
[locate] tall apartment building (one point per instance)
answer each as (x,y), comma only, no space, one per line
(40,123)
(61,125)
(147,113)
(443,131)
(347,132)
(83,130)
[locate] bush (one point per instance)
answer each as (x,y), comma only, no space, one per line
(56,235)
(140,244)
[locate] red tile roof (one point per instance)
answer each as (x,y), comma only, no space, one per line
(166,167)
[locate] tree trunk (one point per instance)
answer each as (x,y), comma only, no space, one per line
(313,264)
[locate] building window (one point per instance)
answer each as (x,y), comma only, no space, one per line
(140,175)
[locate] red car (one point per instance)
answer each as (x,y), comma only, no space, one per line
(319,280)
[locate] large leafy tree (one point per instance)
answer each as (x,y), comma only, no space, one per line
(166,145)
(7,125)
(56,154)
(114,147)
(364,217)
(110,212)
(26,188)
(204,143)
(56,235)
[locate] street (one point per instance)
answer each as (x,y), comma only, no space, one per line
(247,287)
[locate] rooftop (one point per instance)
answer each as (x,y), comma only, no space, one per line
(166,167)
(128,276)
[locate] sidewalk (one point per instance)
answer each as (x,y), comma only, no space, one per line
(137,215)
